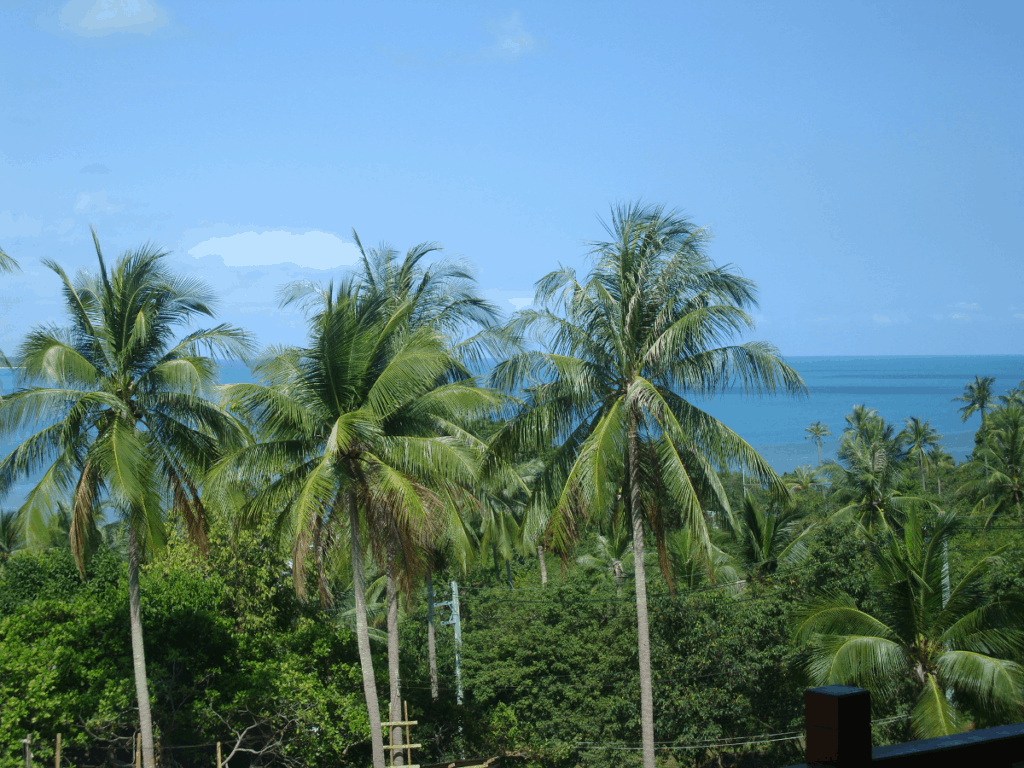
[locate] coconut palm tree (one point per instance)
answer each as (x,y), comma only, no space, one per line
(442,296)
(764,538)
(123,414)
(611,559)
(977,398)
(692,568)
(1013,397)
(625,348)
(806,478)
(351,431)
(1001,485)
(940,459)
(7,264)
(868,474)
(963,645)
(11,538)
(920,438)
(861,422)
(817,432)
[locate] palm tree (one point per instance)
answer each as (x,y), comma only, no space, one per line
(626,345)
(868,473)
(964,644)
(349,428)
(977,398)
(612,557)
(7,264)
(692,568)
(806,478)
(11,538)
(1013,397)
(1001,485)
(124,415)
(921,438)
(763,539)
(817,432)
(940,459)
(442,297)
(861,422)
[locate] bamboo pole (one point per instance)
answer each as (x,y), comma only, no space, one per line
(56,753)
(27,741)
(138,750)
(218,755)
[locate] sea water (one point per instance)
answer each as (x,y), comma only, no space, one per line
(896,387)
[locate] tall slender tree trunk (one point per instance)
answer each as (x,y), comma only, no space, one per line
(819,453)
(920,462)
(508,574)
(394,681)
(643,631)
(363,635)
(543,565)
(138,651)
(938,476)
(431,642)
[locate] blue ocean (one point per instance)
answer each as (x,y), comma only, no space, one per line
(897,387)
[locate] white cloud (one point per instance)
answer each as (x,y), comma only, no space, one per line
(880,319)
(18,225)
(966,305)
(91,18)
(960,316)
(1020,316)
(521,301)
(313,249)
(93,202)
(510,36)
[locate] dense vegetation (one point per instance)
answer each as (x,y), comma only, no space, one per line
(636,583)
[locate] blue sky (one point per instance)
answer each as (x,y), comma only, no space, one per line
(862,162)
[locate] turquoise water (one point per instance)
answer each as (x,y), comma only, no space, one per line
(897,387)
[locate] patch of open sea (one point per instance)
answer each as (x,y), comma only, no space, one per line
(897,387)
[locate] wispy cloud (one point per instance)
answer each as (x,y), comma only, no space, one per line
(92,18)
(966,305)
(960,316)
(1020,316)
(510,40)
(18,225)
(96,202)
(313,249)
(881,319)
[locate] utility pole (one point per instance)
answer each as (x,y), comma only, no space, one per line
(455,620)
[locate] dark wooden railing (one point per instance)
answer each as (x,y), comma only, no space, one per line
(838,720)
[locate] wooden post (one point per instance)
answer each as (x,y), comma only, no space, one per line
(218,755)
(138,750)
(27,742)
(408,738)
(56,753)
(838,719)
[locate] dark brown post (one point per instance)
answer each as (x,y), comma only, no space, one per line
(838,721)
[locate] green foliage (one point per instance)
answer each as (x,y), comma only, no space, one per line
(227,646)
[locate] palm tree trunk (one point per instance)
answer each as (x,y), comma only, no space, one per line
(394,682)
(819,453)
(920,461)
(363,636)
(138,651)
(431,643)
(543,565)
(938,476)
(508,574)
(643,631)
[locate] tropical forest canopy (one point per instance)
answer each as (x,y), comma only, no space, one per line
(272,565)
